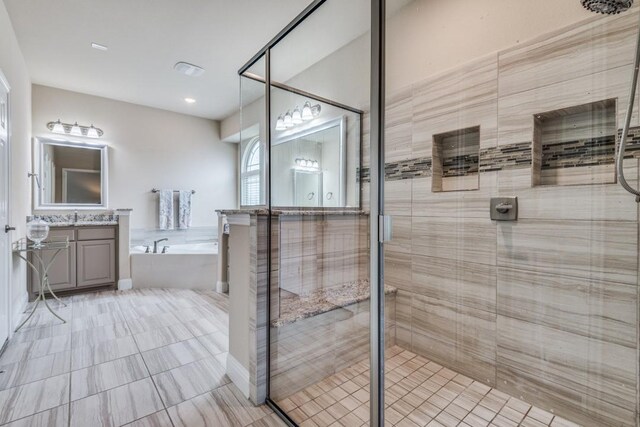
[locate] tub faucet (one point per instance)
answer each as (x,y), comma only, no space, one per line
(155,244)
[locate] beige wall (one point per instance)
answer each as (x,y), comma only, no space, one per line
(149,148)
(15,70)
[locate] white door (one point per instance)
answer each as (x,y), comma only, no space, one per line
(5,235)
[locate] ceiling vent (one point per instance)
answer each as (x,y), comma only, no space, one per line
(188,69)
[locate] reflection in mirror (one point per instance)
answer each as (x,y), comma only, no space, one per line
(309,166)
(71,174)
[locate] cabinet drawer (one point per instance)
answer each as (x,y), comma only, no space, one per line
(96,262)
(96,233)
(60,234)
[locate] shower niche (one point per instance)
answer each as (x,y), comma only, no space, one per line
(575,145)
(456,159)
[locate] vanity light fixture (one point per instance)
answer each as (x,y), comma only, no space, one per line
(92,132)
(307,165)
(57,127)
(75,129)
(288,120)
(296,116)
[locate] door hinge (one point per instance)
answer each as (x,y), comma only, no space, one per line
(386,228)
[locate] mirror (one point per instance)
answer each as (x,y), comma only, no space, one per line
(309,167)
(70,174)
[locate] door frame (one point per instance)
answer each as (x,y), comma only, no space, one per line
(9,273)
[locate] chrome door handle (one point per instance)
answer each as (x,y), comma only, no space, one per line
(8,228)
(503,207)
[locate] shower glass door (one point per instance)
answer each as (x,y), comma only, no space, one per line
(319,296)
(514,258)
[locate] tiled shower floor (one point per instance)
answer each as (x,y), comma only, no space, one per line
(418,393)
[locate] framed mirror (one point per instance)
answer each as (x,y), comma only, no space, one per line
(70,174)
(309,166)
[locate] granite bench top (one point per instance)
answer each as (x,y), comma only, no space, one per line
(295,307)
(293,212)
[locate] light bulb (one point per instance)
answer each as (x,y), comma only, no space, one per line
(315,110)
(57,127)
(92,132)
(306,111)
(316,164)
(288,122)
(303,163)
(296,117)
(75,130)
(280,123)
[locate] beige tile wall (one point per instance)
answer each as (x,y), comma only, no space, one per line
(544,308)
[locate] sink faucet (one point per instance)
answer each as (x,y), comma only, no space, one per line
(155,245)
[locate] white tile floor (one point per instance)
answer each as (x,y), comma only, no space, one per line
(418,393)
(142,358)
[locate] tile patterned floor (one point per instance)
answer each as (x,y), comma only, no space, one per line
(418,392)
(144,358)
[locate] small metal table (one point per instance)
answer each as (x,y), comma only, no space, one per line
(23,248)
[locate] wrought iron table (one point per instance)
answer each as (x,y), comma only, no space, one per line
(23,248)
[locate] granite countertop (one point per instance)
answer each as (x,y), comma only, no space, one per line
(82,224)
(248,211)
(83,220)
(294,307)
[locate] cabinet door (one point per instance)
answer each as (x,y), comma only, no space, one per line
(96,262)
(62,273)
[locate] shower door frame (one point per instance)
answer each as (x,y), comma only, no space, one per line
(377,102)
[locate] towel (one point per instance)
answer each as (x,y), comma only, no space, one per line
(165,210)
(184,211)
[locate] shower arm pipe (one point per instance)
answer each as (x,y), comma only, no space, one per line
(627,126)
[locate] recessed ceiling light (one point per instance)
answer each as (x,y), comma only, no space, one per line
(189,100)
(188,69)
(99,46)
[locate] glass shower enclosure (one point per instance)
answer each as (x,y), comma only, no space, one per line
(449,240)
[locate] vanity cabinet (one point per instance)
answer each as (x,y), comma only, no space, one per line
(89,262)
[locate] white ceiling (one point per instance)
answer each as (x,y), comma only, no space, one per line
(145,39)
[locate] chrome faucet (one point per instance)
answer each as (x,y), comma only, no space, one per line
(155,244)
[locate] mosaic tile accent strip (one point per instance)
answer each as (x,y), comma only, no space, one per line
(405,169)
(510,156)
(460,165)
(580,153)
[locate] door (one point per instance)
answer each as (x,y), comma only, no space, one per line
(5,238)
(96,262)
(62,273)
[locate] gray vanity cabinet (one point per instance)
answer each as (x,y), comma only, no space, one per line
(62,274)
(89,262)
(96,262)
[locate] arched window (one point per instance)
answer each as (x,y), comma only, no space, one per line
(251,176)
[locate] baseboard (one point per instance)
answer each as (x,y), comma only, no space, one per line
(125,284)
(18,311)
(239,375)
(222,287)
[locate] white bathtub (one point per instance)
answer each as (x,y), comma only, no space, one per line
(184,266)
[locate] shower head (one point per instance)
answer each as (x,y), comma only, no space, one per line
(607,7)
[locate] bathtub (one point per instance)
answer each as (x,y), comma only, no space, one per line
(184,266)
